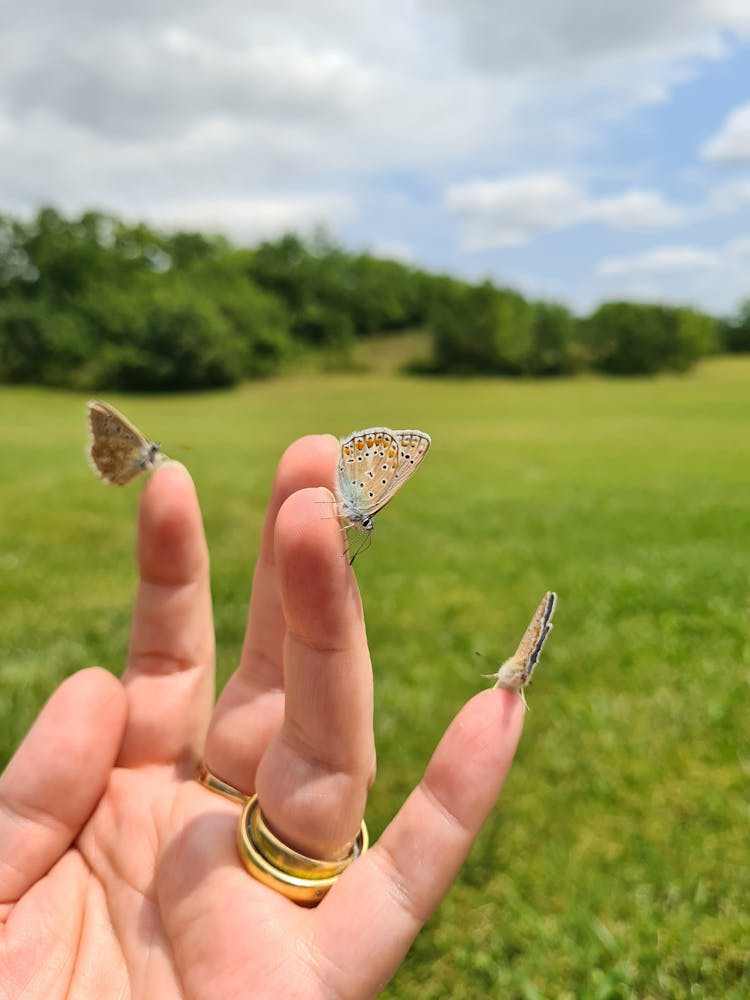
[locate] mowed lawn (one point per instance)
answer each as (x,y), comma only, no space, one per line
(617,863)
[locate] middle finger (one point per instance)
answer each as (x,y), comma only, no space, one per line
(250,709)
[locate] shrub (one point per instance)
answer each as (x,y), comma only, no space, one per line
(480,329)
(736,331)
(627,338)
(41,345)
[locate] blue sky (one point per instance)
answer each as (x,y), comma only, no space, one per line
(572,149)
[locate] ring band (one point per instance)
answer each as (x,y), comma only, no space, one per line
(287,871)
(285,858)
(204,777)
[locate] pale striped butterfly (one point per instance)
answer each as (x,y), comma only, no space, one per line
(516,672)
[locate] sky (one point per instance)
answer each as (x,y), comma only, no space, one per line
(576,150)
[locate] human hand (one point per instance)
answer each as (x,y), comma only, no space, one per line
(119,873)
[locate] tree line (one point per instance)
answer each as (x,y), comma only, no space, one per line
(96,303)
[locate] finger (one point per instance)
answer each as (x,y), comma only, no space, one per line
(57,776)
(250,709)
(170,675)
(313,780)
(409,870)
(310,461)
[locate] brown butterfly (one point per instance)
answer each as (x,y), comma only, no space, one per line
(118,452)
(516,672)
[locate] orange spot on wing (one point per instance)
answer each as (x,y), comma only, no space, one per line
(359,445)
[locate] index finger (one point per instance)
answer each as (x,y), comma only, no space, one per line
(169,679)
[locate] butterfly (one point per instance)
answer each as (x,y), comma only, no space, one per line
(373,466)
(516,672)
(118,452)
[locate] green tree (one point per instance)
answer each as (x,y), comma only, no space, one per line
(628,338)
(41,345)
(162,334)
(554,348)
(736,331)
(480,329)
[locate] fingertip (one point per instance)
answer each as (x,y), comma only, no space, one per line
(317,585)
(87,694)
(170,484)
(473,758)
(308,461)
(170,471)
(100,683)
(307,528)
(172,463)
(57,776)
(171,543)
(93,708)
(78,732)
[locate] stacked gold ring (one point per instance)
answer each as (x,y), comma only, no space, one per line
(300,878)
(204,777)
(286,859)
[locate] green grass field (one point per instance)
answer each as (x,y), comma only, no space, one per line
(616,864)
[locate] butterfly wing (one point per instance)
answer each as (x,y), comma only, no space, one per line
(540,626)
(374,464)
(368,462)
(412,449)
(117,449)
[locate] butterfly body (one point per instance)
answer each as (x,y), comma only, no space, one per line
(118,452)
(516,672)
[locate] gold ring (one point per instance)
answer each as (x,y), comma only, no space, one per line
(204,777)
(287,871)
(285,858)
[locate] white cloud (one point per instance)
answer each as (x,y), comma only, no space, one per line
(732,141)
(400,252)
(308,89)
(510,211)
(684,260)
(731,196)
(162,85)
(571,35)
(711,278)
(252,219)
(285,94)
(636,210)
